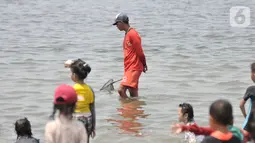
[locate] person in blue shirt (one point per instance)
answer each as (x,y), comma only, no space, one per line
(249,94)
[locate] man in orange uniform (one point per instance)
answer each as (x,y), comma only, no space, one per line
(134,58)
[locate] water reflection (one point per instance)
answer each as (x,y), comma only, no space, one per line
(131,111)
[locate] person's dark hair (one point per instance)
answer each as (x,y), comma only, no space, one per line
(80,68)
(253,67)
(187,109)
(221,111)
(66,109)
(52,116)
(23,128)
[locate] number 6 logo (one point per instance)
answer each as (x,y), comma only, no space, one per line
(239,16)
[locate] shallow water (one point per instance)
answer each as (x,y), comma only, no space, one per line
(193,55)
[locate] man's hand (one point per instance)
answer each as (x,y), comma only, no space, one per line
(145,68)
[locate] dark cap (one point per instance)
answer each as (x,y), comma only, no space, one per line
(121,17)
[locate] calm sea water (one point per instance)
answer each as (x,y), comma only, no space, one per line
(193,55)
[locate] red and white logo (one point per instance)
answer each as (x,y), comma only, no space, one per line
(124,79)
(128,43)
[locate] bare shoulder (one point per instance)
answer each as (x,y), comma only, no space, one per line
(50,125)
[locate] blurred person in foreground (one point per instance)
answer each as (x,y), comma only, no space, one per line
(24,132)
(65,128)
(221,114)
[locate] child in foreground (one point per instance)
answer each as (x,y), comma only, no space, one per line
(24,132)
(65,129)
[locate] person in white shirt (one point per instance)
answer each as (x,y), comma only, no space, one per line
(186,116)
(64,128)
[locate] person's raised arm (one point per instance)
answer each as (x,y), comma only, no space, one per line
(178,128)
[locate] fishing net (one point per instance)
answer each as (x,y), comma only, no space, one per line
(108,86)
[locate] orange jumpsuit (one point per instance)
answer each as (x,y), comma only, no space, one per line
(134,59)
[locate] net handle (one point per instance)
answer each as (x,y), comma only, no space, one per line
(116,81)
(111,83)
